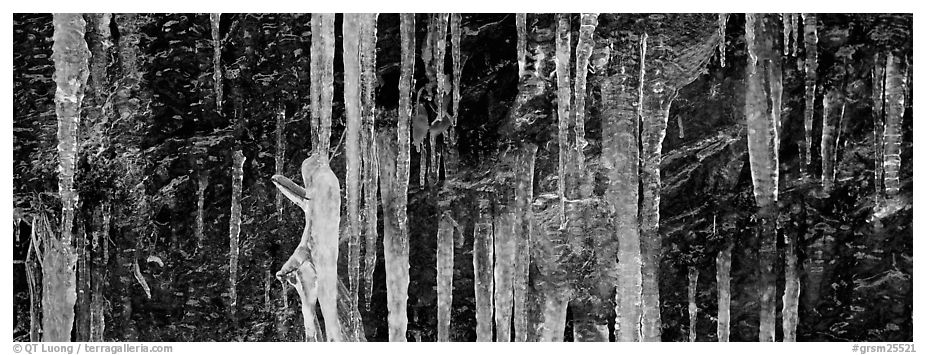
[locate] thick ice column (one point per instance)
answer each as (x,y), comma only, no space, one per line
(763,110)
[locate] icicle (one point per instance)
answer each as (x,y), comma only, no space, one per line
(285,294)
(655,100)
(82,309)
(71,59)
(723,293)
(795,25)
(521,24)
(786,32)
(833,108)
(107,218)
(422,167)
(32,269)
(309,317)
(278,157)
(893,114)
(504,271)
(268,281)
(789,301)
(681,127)
(451,158)
(319,240)
(234,228)
(397,284)
(315,76)
(315,260)
(351,54)
(877,97)
(406,83)
(722,28)
(456,23)
(563,98)
(322,78)
(440,51)
(810,86)
(583,51)
(445,231)
(439,28)
(692,304)
(908,82)
(620,155)
(200,208)
(368,148)
(89,314)
(395,230)
(763,109)
(214,19)
(523,217)
(483,255)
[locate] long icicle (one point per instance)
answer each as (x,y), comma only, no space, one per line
(833,104)
(214,20)
(278,158)
(795,25)
(483,256)
(723,293)
(99,39)
(315,76)
(234,227)
(503,228)
(523,217)
(71,58)
(456,31)
(584,47)
(722,29)
(202,184)
(563,98)
(877,98)
(439,28)
(396,251)
(620,152)
(692,304)
(786,32)
(447,224)
(32,269)
(395,240)
(323,78)
(368,149)
(655,103)
(810,88)
(763,109)
(521,24)
(351,55)
(894,88)
(451,155)
(445,230)
(789,300)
